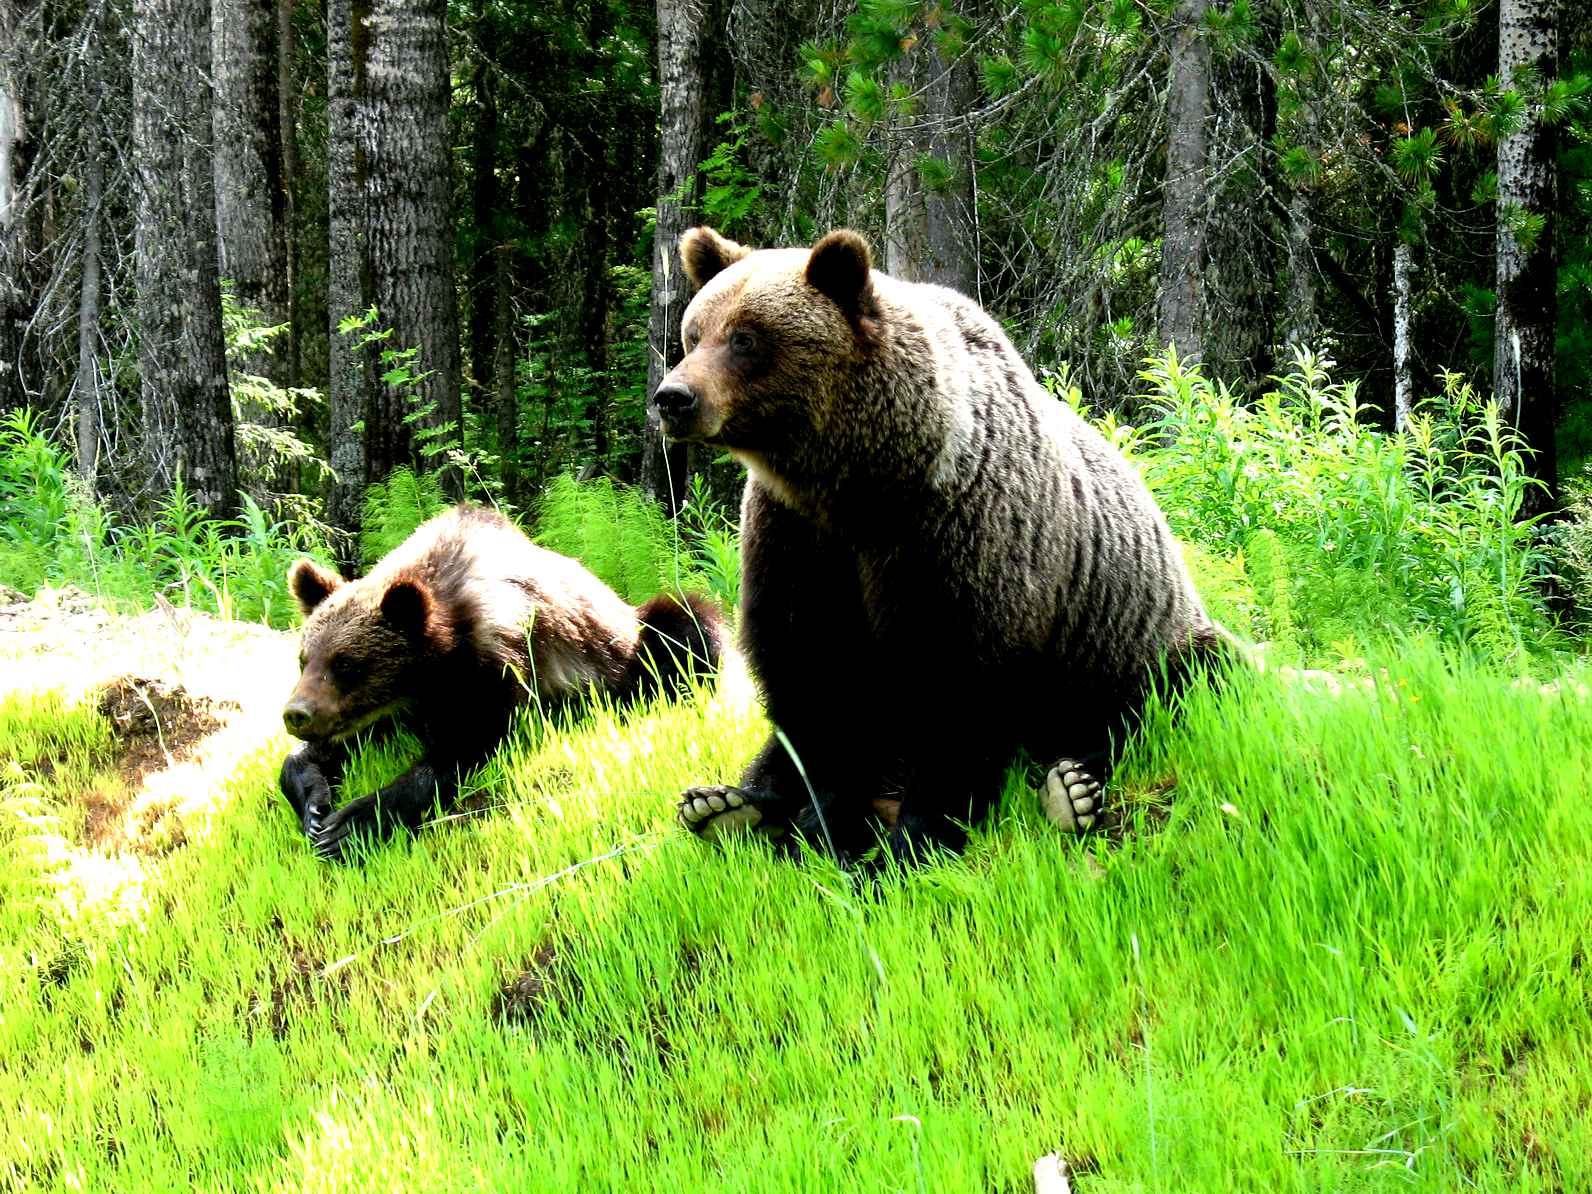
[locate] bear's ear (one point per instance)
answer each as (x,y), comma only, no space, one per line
(406,607)
(705,253)
(311,584)
(838,269)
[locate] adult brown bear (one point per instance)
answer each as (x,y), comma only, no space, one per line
(942,565)
(456,627)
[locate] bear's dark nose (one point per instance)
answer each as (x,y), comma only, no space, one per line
(674,399)
(297,718)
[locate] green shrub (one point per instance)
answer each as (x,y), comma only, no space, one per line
(621,536)
(52,532)
(395,507)
(1348,530)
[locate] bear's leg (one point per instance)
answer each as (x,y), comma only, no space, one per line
(310,773)
(404,803)
(772,798)
(1077,785)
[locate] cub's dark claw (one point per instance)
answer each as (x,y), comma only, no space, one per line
(1073,798)
(333,838)
(713,811)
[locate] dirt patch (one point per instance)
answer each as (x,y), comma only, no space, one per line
(526,999)
(297,986)
(154,725)
(1139,809)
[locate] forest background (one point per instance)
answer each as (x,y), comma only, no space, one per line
(276,273)
(287,275)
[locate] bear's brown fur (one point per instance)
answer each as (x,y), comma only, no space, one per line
(942,565)
(460,624)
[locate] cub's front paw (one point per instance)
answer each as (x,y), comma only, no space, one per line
(714,811)
(334,836)
(1073,798)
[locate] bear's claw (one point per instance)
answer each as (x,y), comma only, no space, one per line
(1073,799)
(712,811)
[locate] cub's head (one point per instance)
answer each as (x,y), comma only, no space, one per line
(770,338)
(362,640)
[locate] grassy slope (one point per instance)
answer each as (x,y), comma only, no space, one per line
(1374,976)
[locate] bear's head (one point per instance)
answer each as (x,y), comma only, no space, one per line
(771,338)
(362,640)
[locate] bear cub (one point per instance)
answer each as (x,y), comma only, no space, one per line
(943,567)
(454,629)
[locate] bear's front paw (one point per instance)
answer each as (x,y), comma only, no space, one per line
(1072,798)
(713,811)
(333,838)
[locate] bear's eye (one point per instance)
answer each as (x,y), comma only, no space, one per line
(304,660)
(344,669)
(688,339)
(742,341)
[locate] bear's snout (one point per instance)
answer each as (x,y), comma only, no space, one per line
(676,403)
(298,717)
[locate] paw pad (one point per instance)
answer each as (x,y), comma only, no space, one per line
(1073,799)
(711,812)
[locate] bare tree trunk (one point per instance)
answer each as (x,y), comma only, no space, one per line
(409,195)
(88,311)
(287,92)
(351,378)
(1239,277)
(1183,243)
(251,187)
(486,201)
(1527,314)
(1403,388)
(188,429)
(508,414)
(1300,321)
(12,132)
(682,33)
(929,225)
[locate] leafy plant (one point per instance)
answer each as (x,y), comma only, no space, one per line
(1347,528)
(622,537)
(395,507)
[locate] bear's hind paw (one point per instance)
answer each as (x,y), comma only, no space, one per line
(1073,799)
(714,811)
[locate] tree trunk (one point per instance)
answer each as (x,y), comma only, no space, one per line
(251,187)
(409,195)
(1300,321)
(1183,242)
(1523,351)
(187,410)
(1403,388)
(12,133)
(508,414)
(287,93)
(351,379)
(1239,278)
(929,229)
(682,32)
(487,202)
(88,311)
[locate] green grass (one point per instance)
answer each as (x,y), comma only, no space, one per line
(1369,974)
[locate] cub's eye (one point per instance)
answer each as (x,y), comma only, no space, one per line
(742,341)
(688,339)
(303,660)
(344,669)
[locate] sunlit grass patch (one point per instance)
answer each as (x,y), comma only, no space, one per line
(1366,971)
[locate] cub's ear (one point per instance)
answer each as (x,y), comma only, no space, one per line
(705,253)
(406,607)
(839,270)
(311,584)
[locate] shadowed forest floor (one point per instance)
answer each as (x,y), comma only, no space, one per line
(1341,943)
